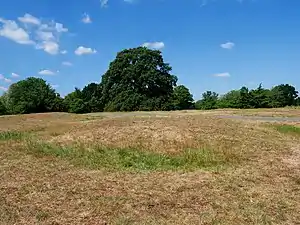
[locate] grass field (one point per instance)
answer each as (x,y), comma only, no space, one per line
(185,167)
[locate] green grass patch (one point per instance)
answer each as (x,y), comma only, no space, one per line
(122,159)
(289,129)
(12,135)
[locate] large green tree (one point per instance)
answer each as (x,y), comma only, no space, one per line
(183,99)
(138,79)
(32,95)
(283,95)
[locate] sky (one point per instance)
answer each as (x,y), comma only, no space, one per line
(215,45)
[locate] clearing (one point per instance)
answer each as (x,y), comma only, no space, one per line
(188,167)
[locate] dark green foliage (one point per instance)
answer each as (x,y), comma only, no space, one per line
(279,96)
(3,110)
(209,101)
(92,95)
(245,99)
(229,100)
(32,95)
(138,79)
(85,101)
(283,95)
(260,97)
(183,99)
(74,102)
(297,102)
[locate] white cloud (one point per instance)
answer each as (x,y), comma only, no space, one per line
(228,45)
(50,47)
(83,50)
(3,88)
(27,18)
(60,28)
(5,79)
(48,35)
(15,75)
(12,31)
(54,86)
(86,18)
(49,38)
(222,75)
(63,52)
(67,63)
(45,35)
(154,45)
(103,3)
(46,72)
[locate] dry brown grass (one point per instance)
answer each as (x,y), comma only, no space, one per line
(277,112)
(260,184)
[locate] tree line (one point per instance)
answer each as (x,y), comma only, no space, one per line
(137,80)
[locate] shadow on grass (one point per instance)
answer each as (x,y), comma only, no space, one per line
(123,159)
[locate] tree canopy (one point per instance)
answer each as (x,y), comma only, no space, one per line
(138,79)
(183,99)
(32,95)
(209,101)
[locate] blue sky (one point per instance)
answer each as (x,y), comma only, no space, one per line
(213,45)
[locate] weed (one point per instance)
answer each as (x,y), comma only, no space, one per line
(290,129)
(12,135)
(119,158)
(42,215)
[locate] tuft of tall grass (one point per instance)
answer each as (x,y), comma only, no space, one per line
(123,159)
(289,129)
(12,135)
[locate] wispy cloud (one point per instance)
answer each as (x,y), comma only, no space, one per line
(6,80)
(86,18)
(67,63)
(15,75)
(103,3)
(29,19)
(3,88)
(30,30)
(129,1)
(228,45)
(54,86)
(84,51)
(154,45)
(46,72)
(11,30)
(222,74)
(206,2)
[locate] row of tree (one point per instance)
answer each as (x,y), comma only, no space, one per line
(137,80)
(279,96)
